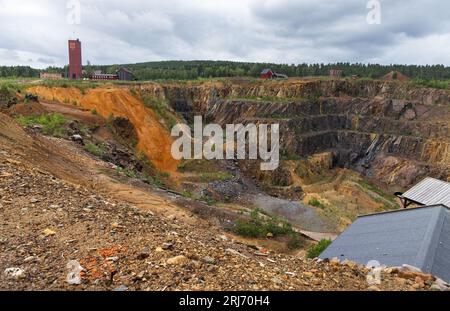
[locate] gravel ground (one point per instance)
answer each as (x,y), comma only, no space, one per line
(46,223)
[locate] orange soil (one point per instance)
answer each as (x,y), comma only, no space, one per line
(153,139)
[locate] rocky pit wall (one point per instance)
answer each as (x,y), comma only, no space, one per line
(393,132)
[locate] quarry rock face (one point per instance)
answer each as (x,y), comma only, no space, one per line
(391,131)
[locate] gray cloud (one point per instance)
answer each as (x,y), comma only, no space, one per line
(286,31)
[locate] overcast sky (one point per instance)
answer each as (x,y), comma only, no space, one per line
(35,32)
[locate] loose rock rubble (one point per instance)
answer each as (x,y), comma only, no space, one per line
(58,236)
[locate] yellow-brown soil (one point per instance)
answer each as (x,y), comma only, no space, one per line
(153,139)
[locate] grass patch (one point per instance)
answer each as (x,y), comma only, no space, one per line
(52,124)
(156,179)
(316,250)
(83,86)
(261,226)
(162,110)
(436,84)
(367,186)
(291,157)
(188,194)
(98,151)
(8,92)
(316,203)
(210,201)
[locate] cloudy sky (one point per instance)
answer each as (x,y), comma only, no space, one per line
(35,32)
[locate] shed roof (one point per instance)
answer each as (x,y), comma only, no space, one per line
(418,236)
(265,71)
(124,69)
(429,191)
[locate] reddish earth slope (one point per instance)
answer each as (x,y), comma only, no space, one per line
(154,140)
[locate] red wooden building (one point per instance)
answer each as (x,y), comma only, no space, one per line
(267,74)
(104,76)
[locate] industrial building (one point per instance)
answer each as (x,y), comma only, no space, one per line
(76,67)
(123,74)
(419,236)
(75,60)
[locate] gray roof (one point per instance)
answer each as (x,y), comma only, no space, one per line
(265,71)
(124,69)
(418,236)
(429,191)
(280,75)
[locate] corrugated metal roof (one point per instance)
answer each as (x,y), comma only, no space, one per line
(430,191)
(418,236)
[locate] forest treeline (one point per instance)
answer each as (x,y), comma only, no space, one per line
(184,70)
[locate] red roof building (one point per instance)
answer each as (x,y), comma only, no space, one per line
(104,76)
(267,74)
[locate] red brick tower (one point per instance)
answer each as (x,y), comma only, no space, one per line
(75,65)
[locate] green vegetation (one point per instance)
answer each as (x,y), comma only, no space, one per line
(433,83)
(83,86)
(188,194)
(316,203)
(162,110)
(156,179)
(94,112)
(198,70)
(7,93)
(390,198)
(18,71)
(98,151)
(210,201)
(316,250)
(192,70)
(258,226)
(52,124)
(261,226)
(8,90)
(295,241)
(314,98)
(290,157)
